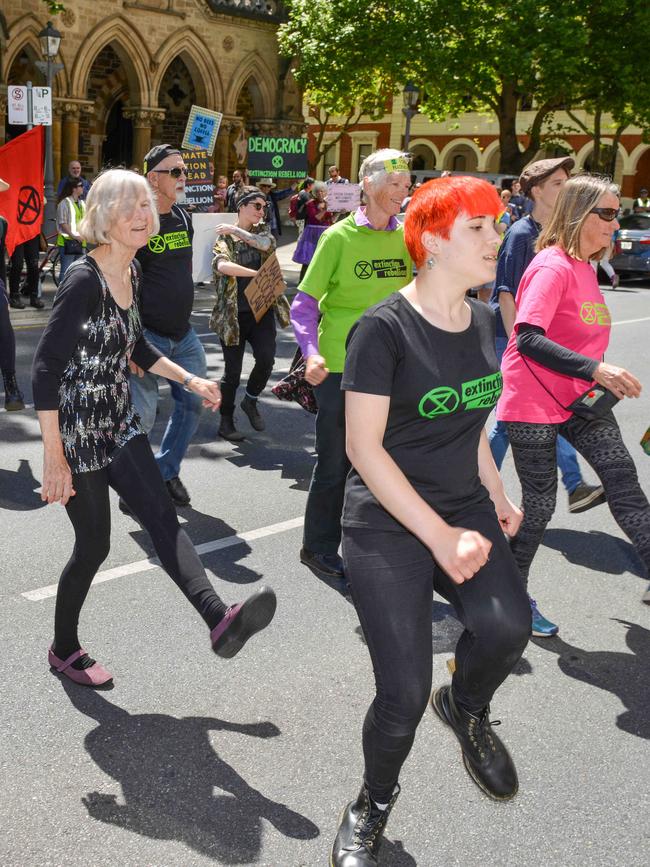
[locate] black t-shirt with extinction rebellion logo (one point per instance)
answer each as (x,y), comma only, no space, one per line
(167,285)
(442,386)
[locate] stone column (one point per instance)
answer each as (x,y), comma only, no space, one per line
(57,112)
(69,135)
(143,119)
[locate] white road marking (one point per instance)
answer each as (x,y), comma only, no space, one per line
(629,321)
(154,563)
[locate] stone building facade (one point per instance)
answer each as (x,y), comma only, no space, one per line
(132,69)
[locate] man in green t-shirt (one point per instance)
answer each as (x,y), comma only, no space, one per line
(358,262)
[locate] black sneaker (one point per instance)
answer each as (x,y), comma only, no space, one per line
(249,406)
(327,564)
(35,301)
(228,431)
(14,398)
(485,757)
(586,497)
(16,302)
(178,492)
(361,831)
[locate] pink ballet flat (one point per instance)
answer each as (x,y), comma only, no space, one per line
(95,676)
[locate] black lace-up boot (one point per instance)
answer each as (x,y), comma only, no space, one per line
(360,832)
(484,755)
(14,399)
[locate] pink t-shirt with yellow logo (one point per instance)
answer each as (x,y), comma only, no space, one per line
(561,295)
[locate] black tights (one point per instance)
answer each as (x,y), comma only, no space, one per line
(393,577)
(261,336)
(135,476)
(600,443)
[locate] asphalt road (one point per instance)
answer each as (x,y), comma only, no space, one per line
(191,760)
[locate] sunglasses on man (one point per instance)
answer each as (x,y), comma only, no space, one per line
(606,214)
(176,172)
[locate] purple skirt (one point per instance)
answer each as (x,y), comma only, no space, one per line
(307,244)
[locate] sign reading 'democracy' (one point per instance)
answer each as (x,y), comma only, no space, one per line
(343,197)
(202,129)
(267,285)
(277,157)
(199,190)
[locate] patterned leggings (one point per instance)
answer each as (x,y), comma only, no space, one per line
(600,443)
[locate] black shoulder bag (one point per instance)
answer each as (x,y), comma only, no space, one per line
(593,403)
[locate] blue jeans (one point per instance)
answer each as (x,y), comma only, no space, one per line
(567,459)
(189,354)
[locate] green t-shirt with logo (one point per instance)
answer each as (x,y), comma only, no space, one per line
(353,268)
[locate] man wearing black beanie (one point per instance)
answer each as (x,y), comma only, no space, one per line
(167,297)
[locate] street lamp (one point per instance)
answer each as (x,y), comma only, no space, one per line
(411,95)
(50,40)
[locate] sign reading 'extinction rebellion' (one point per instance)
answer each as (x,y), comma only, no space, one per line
(199,190)
(277,157)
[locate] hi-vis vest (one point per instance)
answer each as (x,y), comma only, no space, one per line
(77,210)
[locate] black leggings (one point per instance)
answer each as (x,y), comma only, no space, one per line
(600,443)
(261,336)
(134,474)
(7,339)
(393,576)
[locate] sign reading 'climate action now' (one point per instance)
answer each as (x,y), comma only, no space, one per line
(277,157)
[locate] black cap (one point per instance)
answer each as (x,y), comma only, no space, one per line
(156,155)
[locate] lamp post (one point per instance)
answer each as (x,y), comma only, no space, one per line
(411,94)
(50,39)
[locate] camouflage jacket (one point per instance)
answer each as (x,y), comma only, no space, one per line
(223,320)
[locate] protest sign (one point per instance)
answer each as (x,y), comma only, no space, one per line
(277,157)
(202,129)
(204,226)
(267,285)
(199,190)
(343,197)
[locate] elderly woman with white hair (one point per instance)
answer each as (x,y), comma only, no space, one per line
(358,262)
(92,435)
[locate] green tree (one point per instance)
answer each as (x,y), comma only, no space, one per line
(468,55)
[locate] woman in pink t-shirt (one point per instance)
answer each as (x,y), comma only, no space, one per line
(554,354)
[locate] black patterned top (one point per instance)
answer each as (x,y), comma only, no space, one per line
(81,366)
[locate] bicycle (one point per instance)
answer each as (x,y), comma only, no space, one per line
(50,258)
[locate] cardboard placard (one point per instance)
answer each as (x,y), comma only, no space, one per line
(267,285)
(202,129)
(199,190)
(343,197)
(277,157)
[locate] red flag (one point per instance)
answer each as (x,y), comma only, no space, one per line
(21,166)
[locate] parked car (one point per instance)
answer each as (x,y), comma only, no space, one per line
(632,246)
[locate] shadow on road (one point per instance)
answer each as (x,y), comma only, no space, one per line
(168,771)
(595,550)
(18,489)
(625,675)
(202,527)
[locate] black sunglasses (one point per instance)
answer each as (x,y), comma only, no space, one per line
(606,214)
(175,172)
(257,205)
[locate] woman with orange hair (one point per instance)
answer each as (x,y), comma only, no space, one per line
(425,508)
